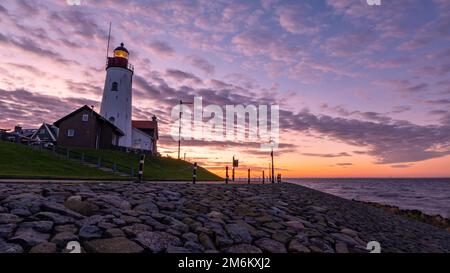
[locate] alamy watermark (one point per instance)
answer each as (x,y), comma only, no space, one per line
(373,2)
(75,2)
(238,123)
(374,247)
(73,247)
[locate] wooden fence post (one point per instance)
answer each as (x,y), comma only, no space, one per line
(263,177)
(226,175)
(141,168)
(248,180)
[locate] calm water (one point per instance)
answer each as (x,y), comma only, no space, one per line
(431,196)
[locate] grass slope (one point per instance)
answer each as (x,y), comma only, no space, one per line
(19,161)
(155,168)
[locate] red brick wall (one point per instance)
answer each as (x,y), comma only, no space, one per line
(85,132)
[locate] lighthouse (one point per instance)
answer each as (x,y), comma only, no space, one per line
(116,104)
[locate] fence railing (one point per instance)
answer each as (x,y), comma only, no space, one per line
(130,150)
(98,161)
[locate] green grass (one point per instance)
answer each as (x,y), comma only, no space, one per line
(20,161)
(155,167)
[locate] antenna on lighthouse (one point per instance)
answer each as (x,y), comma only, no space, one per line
(109,39)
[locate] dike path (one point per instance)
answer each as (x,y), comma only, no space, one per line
(183,218)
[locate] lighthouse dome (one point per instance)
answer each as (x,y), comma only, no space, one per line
(121,52)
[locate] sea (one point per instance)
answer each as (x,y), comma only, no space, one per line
(428,195)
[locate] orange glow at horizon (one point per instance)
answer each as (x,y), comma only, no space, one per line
(296,165)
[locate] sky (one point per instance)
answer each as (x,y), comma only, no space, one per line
(363,91)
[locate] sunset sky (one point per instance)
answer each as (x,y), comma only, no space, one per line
(364,91)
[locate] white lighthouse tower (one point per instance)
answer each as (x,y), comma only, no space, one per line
(117,94)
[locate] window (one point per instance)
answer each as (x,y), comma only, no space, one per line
(85,117)
(121,54)
(115,86)
(71,133)
(42,131)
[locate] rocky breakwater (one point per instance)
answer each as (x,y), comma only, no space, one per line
(180,218)
(435,220)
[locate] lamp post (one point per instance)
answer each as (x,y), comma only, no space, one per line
(235,164)
(179,127)
(271,155)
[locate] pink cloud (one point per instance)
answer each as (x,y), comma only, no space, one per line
(298,19)
(201,63)
(161,48)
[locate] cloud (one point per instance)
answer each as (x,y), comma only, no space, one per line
(343,154)
(432,32)
(161,48)
(373,116)
(80,22)
(227,17)
(220,84)
(439,102)
(201,64)
(31,109)
(438,112)
(298,19)
(350,44)
(29,46)
(181,76)
(344,164)
(25,6)
(3,11)
(387,63)
(250,146)
(264,42)
(434,70)
(400,109)
(403,85)
(401,166)
(310,71)
(397,142)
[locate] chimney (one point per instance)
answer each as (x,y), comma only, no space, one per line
(18,129)
(155,132)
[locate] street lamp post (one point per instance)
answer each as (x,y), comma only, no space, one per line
(235,164)
(271,156)
(179,127)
